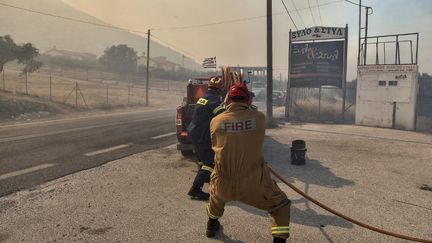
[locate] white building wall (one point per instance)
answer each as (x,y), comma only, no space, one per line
(55,53)
(375,99)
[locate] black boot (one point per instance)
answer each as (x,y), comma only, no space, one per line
(278,240)
(198,194)
(213,226)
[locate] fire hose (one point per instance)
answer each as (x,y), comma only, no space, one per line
(364,225)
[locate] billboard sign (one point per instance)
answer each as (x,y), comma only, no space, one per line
(318,33)
(315,64)
(407,68)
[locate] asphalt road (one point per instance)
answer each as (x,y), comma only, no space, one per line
(373,175)
(37,152)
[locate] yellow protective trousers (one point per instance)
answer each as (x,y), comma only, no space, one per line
(240,173)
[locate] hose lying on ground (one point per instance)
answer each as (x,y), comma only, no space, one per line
(405,237)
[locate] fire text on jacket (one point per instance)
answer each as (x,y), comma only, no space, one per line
(239,126)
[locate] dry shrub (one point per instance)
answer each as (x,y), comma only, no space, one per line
(307,109)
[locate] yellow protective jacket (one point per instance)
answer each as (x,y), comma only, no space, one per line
(229,131)
(240,173)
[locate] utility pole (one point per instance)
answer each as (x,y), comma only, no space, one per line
(107,95)
(128,81)
(269,65)
(76,95)
(148,62)
(4,80)
(50,87)
(26,81)
(183,59)
(344,81)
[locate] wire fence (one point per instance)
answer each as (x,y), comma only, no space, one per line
(91,89)
(424,113)
(322,104)
(313,104)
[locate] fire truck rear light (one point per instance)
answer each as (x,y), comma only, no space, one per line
(178,120)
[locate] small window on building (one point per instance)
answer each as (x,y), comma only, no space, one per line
(393,83)
(381,83)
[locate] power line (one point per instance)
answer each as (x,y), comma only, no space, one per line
(237,20)
(120,28)
(298,13)
(313,19)
(323,4)
(242,19)
(171,28)
(71,19)
(319,12)
(175,47)
(289,14)
(209,24)
(348,1)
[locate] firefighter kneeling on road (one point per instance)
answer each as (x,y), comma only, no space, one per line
(240,172)
(199,131)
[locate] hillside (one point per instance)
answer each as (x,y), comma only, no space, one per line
(46,32)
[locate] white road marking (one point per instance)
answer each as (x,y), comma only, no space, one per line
(25,171)
(10,139)
(101,151)
(81,118)
(164,135)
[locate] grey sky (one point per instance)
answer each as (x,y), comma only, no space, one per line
(244,42)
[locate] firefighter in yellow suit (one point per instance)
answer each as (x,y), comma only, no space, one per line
(240,173)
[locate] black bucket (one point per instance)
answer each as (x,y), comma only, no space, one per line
(298,152)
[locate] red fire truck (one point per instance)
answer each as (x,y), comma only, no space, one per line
(196,89)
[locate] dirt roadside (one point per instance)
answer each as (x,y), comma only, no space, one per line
(20,108)
(25,108)
(371,174)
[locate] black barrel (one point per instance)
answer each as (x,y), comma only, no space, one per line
(298,152)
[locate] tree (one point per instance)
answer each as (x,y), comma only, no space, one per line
(8,50)
(24,54)
(121,59)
